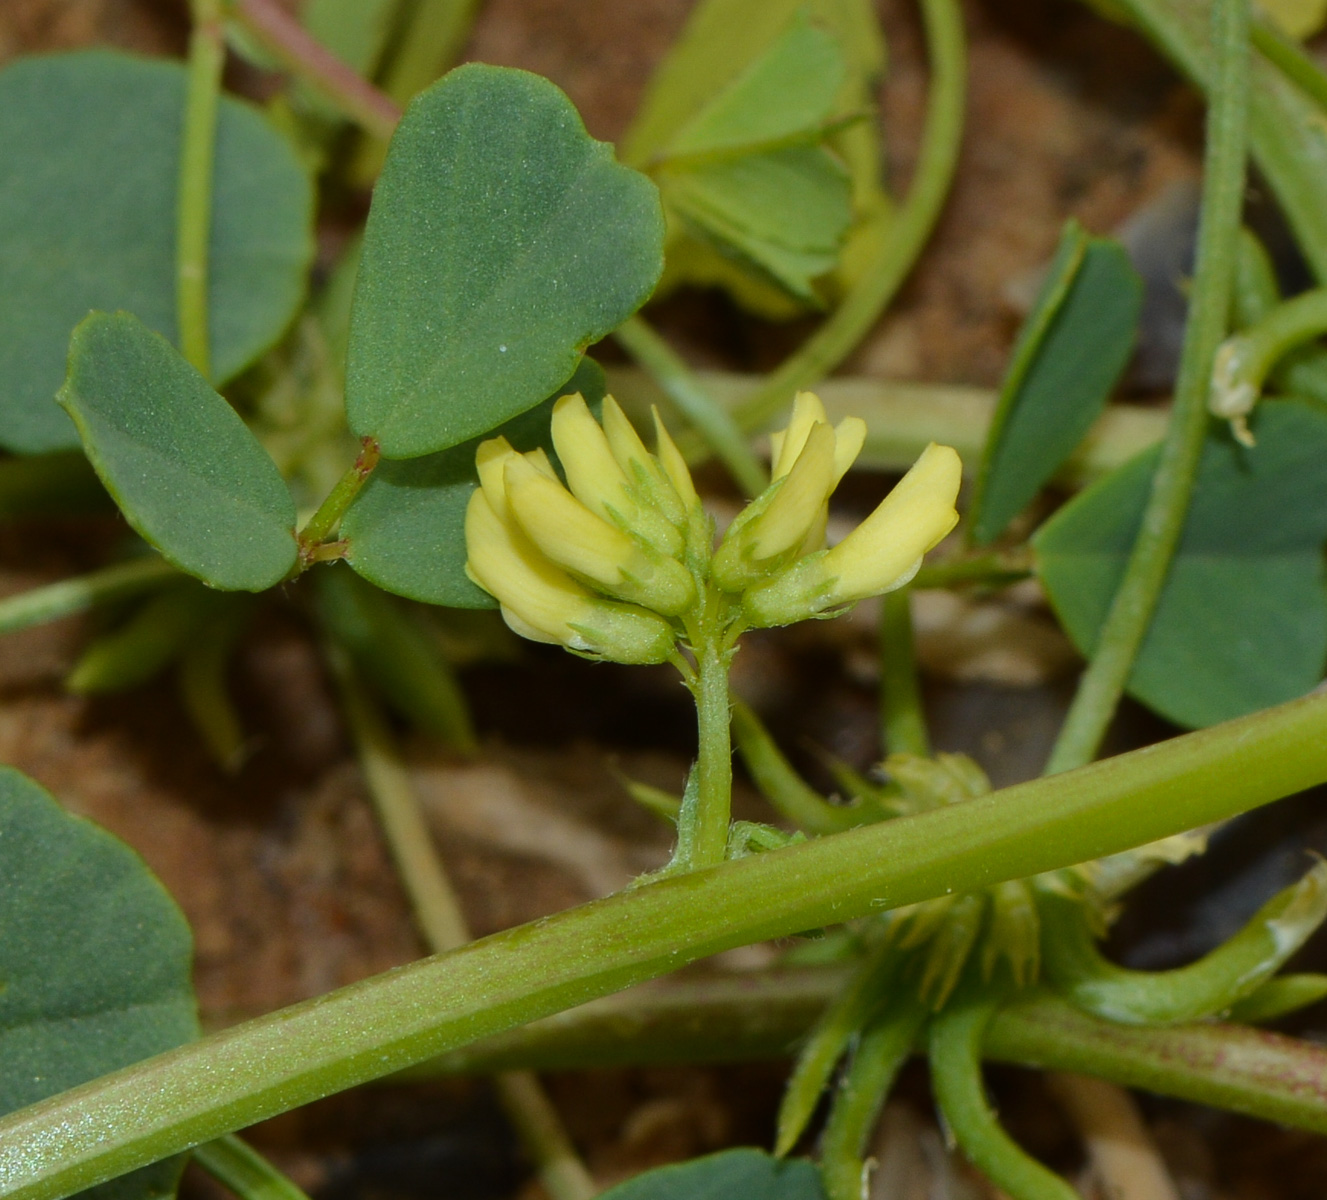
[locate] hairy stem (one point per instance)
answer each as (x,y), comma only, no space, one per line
(902,715)
(291,44)
(438,913)
(245,1074)
(1126,624)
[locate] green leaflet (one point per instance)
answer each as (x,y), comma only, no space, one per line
(85,988)
(502,241)
(786,94)
(1242,621)
(406,529)
(746,83)
(746,1173)
(89,153)
(183,467)
(785,212)
(1069,355)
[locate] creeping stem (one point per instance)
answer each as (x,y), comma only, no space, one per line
(207,56)
(1131,611)
(438,913)
(245,1074)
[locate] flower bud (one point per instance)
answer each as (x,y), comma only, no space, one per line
(598,480)
(588,546)
(540,601)
(881,554)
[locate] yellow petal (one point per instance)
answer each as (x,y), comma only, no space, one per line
(593,473)
(673,464)
(490,461)
(885,550)
(789,518)
(807,413)
(641,467)
(562,527)
(501,560)
(849,438)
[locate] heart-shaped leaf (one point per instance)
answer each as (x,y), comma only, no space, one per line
(89,172)
(502,241)
(95,973)
(1242,620)
(406,529)
(745,1173)
(1069,355)
(183,467)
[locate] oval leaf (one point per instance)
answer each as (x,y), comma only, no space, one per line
(89,165)
(96,967)
(1069,356)
(502,241)
(1242,620)
(406,529)
(183,467)
(746,1173)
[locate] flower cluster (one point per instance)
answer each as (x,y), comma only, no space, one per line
(620,562)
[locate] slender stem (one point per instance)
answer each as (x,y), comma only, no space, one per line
(70,596)
(954,1048)
(711,420)
(245,1074)
(1103,682)
(903,418)
(207,56)
(323,523)
(302,54)
(436,908)
(1245,359)
(1288,56)
(438,912)
(988,570)
(902,714)
(714,763)
(851,320)
(238,1167)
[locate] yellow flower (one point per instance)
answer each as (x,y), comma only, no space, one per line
(788,519)
(542,602)
(881,554)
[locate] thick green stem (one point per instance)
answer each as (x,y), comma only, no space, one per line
(438,913)
(70,596)
(302,54)
(193,232)
(708,417)
(238,1167)
(1126,624)
(714,761)
(902,715)
(881,279)
(245,1074)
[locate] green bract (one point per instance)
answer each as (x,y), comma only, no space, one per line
(502,241)
(187,473)
(89,165)
(85,987)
